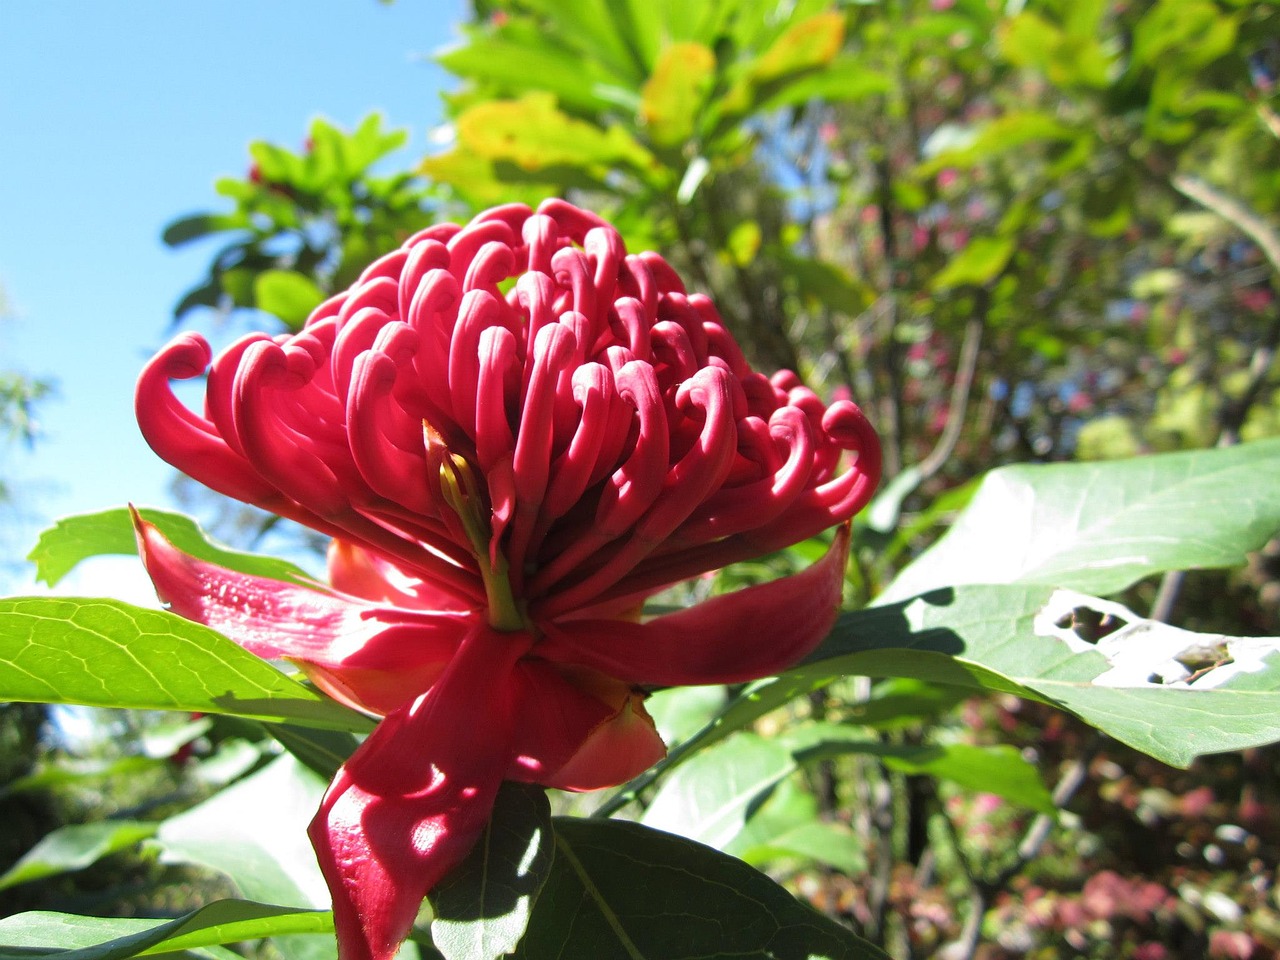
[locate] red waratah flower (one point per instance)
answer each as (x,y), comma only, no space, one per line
(514,432)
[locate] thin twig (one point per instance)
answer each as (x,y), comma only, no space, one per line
(966,367)
(1235,213)
(982,891)
(1233,415)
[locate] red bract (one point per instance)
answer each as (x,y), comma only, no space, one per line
(515,432)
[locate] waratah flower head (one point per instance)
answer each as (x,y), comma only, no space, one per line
(515,431)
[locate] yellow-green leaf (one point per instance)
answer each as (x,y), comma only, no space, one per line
(808,44)
(674,95)
(533,133)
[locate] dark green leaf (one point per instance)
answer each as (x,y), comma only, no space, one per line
(621,891)
(106,653)
(66,771)
(185,229)
(483,907)
(321,751)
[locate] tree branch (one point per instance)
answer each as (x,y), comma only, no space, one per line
(1235,213)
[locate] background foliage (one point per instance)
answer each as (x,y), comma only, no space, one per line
(1017,233)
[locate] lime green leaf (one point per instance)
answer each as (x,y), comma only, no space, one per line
(254,833)
(674,94)
(76,538)
(830,844)
(483,906)
(520,58)
(977,264)
(743,243)
(619,889)
(1100,527)
(1067,59)
(901,702)
(709,798)
(1005,134)
(844,80)
(74,847)
(787,826)
(1193,33)
(64,936)
(286,294)
(591,27)
(106,653)
(1001,770)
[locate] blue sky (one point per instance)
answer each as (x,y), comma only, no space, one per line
(115,118)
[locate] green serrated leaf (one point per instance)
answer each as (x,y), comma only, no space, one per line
(66,936)
(710,798)
(1100,527)
(74,539)
(106,653)
(483,906)
(74,847)
(621,891)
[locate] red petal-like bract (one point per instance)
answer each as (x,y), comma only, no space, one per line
(515,431)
